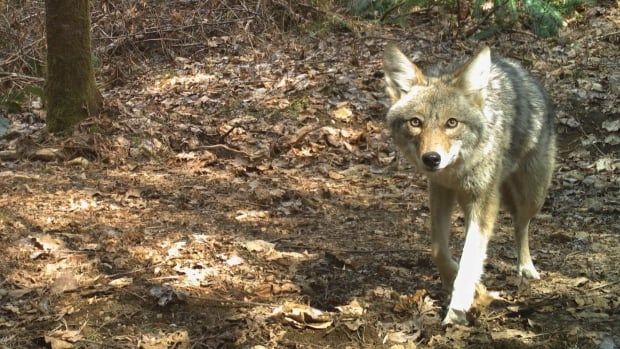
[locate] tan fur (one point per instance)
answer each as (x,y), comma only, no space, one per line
(492,155)
(433,139)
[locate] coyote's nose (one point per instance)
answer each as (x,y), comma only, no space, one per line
(431,159)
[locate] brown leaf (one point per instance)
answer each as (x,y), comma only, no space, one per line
(121,282)
(79,161)
(251,215)
(177,340)
(56,343)
(342,113)
(335,175)
(510,333)
(47,243)
(63,339)
(353,309)
(64,282)
(301,316)
(258,246)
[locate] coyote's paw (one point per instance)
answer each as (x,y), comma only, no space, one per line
(455,317)
(528,271)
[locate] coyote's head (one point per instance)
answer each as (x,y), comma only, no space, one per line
(436,120)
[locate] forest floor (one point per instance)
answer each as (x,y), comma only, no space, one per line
(248,195)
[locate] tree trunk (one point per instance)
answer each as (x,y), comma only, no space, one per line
(70,91)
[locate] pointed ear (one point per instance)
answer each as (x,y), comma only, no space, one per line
(474,75)
(400,73)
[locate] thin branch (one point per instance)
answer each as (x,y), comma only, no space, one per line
(390,10)
(483,21)
(155,30)
(231,302)
(608,35)
(224,147)
(607,284)
(21,76)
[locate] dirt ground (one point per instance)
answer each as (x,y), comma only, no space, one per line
(247,195)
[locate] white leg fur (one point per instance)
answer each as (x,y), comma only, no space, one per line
(525,265)
(469,273)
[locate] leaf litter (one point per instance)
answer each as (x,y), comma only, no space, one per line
(242,191)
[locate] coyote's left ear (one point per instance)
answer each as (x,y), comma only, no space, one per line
(474,75)
(400,73)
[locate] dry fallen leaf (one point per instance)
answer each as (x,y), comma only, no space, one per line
(79,161)
(510,333)
(63,339)
(419,302)
(335,175)
(47,243)
(289,258)
(342,113)
(251,215)
(396,337)
(258,246)
(353,309)
(64,282)
(234,260)
(196,274)
(177,340)
(302,316)
(56,343)
(121,282)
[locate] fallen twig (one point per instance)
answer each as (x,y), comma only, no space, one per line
(154,30)
(603,36)
(21,76)
(606,284)
(224,147)
(232,302)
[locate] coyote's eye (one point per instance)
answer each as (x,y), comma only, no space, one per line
(451,123)
(415,122)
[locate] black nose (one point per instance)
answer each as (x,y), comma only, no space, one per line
(431,159)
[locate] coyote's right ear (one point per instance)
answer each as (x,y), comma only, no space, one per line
(400,73)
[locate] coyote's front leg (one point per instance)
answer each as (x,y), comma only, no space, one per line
(442,203)
(480,215)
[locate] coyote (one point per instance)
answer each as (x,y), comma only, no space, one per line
(483,134)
